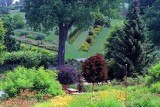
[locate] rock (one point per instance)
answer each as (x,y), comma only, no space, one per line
(1,93)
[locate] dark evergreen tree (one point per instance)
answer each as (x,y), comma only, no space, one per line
(9,42)
(152,20)
(128,45)
(143,5)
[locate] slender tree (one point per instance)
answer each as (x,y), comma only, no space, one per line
(9,42)
(64,14)
(2,32)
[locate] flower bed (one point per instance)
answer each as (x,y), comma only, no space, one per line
(90,40)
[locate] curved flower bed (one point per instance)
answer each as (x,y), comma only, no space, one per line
(90,40)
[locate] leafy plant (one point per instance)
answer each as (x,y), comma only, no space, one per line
(31,36)
(154,72)
(155,88)
(40,80)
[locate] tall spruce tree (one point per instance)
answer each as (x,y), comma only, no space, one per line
(128,45)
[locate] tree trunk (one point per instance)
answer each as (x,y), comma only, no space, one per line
(63,31)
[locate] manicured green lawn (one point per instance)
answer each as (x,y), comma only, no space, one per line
(72,51)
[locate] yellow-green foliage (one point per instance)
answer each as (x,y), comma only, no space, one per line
(85,46)
(92,39)
(34,48)
(22,46)
(114,98)
(16,33)
(46,52)
(43,81)
(154,74)
(2,32)
(97,29)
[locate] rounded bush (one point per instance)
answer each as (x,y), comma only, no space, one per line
(94,69)
(85,46)
(88,40)
(67,75)
(90,33)
(40,80)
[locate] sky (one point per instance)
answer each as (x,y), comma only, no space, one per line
(15,1)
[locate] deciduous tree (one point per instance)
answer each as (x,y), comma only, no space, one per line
(64,14)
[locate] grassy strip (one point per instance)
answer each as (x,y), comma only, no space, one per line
(73,38)
(49,47)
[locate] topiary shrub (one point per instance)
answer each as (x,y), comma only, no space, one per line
(94,69)
(40,80)
(85,46)
(90,40)
(91,33)
(67,75)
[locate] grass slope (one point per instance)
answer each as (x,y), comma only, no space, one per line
(72,51)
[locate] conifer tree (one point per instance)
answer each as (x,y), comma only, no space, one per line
(128,45)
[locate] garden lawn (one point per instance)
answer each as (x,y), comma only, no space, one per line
(72,51)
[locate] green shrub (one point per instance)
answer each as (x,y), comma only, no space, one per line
(16,33)
(23,34)
(34,48)
(18,21)
(47,52)
(40,37)
(26,58)
(73,33)
(29,58)
(154,73)
(33,79)
(155,88)
(31,36)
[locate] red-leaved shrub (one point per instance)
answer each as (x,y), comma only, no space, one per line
(94,69)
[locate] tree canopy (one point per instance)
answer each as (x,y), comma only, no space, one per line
(152,19)
(64,14)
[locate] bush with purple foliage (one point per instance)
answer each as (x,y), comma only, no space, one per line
(67,75)
(90,33)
